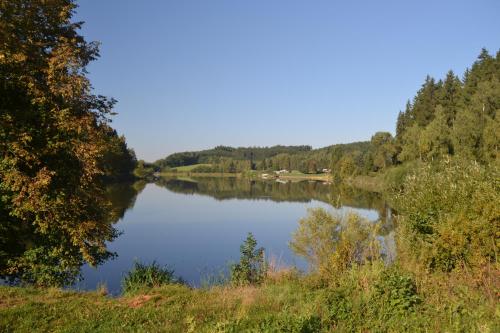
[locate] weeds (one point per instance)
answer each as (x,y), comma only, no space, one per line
(148,276)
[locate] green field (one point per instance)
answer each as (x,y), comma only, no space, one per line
(294,174)
(189,168)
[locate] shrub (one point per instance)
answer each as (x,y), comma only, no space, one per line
(148,276)
(334,243)
(44,267)
(252,266)
(450,214)
(395,293)
(394,177)
(340,307)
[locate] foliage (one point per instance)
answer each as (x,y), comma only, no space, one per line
(147,276)
(454,117)
(395,293)
(300,158)
(145,170)
(450,214)
(56,146)
(240,153)
(339,303)
(252,267)
(118,161)
(333,244)
(385,150)
(394,177)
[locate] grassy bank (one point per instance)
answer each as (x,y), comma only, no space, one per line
(367,299)
(367,183)
(296,175)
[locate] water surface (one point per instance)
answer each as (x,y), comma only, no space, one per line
(195,226)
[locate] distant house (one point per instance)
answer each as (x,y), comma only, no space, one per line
(326,170)
(280,172)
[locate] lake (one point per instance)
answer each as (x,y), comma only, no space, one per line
(196,225)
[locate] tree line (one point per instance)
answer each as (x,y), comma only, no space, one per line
(450,116)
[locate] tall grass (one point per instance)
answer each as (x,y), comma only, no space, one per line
(148,276)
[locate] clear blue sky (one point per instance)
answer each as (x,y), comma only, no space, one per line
(190,75)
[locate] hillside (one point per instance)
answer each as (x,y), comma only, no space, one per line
(230,159)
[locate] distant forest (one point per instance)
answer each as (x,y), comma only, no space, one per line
(229,159)
(450,116)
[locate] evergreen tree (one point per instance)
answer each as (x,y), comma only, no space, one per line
(451,98)
(404,120)
(425,102)
(435,139)
(491,139)
(410,150)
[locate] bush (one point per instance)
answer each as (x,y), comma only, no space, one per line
(44,267)
(394,177)
(395,293)
(450,214)
(252,266)
(148,276)
(340,307)
(334,243)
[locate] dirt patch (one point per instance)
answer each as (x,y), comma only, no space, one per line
(138,301)
(246,295)
(8,303)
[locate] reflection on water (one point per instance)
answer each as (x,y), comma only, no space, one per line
(196,225)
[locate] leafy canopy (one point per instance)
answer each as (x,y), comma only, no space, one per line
(54,142)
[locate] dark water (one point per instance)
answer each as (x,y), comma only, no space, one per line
(196,226)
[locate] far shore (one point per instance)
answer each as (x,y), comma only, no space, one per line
(319,177)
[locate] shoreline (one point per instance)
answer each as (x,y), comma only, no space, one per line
(318,177)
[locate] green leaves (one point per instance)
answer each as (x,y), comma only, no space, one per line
(332,243)
(454,117)
(396,293)
(55,146)
(252,267)
(450,214)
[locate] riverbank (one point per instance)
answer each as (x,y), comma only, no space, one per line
(367,183)
(302,176)
(251,175)
(367,298)
(200,174)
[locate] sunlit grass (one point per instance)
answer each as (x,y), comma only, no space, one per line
(147,276)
